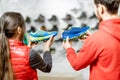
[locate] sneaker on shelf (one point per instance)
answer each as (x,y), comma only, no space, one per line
(41,35)
(74,32)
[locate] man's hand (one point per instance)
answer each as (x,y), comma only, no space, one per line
(85,36)
(67,44)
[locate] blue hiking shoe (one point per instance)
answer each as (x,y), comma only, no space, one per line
(41,35)
(74,32)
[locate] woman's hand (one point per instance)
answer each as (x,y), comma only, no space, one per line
(48,43)
(32,44)
(67,43)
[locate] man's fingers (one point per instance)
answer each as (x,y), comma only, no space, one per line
(88,33)
(67,39)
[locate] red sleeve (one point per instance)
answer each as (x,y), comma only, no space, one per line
(88,53)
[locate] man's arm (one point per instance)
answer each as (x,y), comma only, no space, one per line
(88,53)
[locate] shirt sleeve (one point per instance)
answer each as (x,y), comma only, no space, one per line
(36,61)
(88,53)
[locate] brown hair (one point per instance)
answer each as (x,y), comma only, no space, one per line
(9,22)
(111,5)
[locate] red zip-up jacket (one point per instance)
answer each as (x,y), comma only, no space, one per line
(101,51)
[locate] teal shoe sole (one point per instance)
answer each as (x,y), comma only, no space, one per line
(40,37)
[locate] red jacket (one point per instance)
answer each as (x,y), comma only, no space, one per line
(20,61)
(101,51)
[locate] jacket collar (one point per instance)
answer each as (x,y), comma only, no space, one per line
(112,27)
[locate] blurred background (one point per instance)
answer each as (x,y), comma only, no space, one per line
(56,15)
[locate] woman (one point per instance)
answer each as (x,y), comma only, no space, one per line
(18,61)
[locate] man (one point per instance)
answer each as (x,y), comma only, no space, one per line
(102,49)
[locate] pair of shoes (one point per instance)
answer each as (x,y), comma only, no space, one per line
(41,35)
(74,32)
